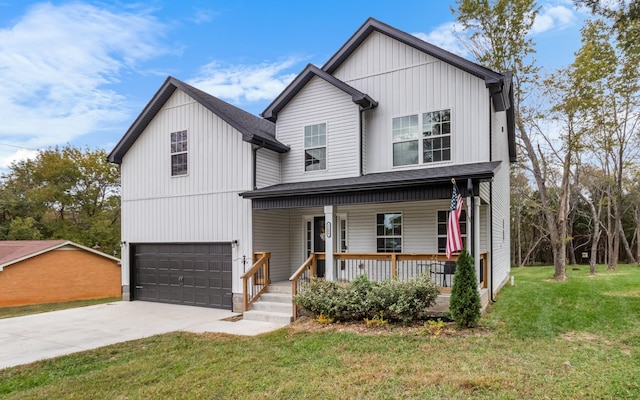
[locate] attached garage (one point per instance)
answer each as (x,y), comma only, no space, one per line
(197,274)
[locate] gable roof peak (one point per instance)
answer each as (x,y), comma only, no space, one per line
(253,128)
(359,98)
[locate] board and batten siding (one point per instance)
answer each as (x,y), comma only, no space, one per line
(405,81)
(202,206)
(320,102)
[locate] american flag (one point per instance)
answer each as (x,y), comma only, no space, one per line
(454,237)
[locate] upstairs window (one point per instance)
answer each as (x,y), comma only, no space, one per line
(179,153)
(315,147)
(434,145)
(436,136)
(405,140)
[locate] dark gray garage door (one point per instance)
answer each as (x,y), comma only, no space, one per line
(196,274)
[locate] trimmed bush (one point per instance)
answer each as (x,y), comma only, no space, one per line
(391,300)
(464,304)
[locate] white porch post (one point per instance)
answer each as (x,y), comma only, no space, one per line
(476,236)
(330,230)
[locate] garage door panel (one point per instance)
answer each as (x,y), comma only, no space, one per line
(190,274)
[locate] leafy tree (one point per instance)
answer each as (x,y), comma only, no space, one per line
(23,229)
(68,193)
(498,34)
(464,303)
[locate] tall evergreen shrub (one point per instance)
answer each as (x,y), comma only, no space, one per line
(464,304)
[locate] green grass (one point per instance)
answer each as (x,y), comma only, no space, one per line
(578,339)
(9,312)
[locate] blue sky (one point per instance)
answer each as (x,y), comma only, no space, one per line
(79,72)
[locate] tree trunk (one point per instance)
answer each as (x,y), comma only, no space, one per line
(557,244)
(627,248)
(615,235)
(571,247)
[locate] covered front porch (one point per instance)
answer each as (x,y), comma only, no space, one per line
(387,226)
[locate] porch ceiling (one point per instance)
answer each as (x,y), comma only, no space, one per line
(403,185)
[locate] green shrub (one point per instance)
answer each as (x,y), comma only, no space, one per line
(360,299)
(464,304)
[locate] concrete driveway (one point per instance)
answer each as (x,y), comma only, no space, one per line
(34,337)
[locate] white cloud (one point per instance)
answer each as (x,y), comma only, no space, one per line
(444,36)
(202,16)
(245,83)
(56,64)
(16,155)
(553,17)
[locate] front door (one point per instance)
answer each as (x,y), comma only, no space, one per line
(319,244)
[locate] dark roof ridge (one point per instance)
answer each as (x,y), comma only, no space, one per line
(272,110)
(253,128)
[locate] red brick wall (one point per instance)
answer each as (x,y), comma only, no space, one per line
(57,276)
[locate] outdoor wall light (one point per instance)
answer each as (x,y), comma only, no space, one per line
(234,243)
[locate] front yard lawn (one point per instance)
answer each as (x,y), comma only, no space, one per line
(542,339)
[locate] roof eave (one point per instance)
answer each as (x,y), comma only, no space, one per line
(258,194)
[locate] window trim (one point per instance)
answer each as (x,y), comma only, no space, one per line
(401,236)
(421,138)
(325,147)
(176,153)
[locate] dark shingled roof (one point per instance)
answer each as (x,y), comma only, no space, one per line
(495,81)
(382,180)
(253,129)
(361,99)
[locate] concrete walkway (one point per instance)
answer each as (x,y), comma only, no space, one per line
(34,337)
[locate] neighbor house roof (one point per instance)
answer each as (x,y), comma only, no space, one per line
(253,129)
(361,99)
(381,180)
(14,251)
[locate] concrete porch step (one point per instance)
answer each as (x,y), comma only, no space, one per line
(273,306)
(268,316)
(280,287)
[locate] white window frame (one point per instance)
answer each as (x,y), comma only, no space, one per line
(463,220)
(314,146)
(384,236)
(343,233)
(402,134)
(177,148)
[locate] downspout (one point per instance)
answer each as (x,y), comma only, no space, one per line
(491,298)
(361,139)
(254,166)
(255,149)
(472,217)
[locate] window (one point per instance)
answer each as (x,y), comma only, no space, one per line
(405,140)
(342,238)
(389,233)
(436,136)
(435,145)
(315,147)
(443,222)
(178,153)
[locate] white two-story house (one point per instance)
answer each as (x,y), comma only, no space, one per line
(349,171)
